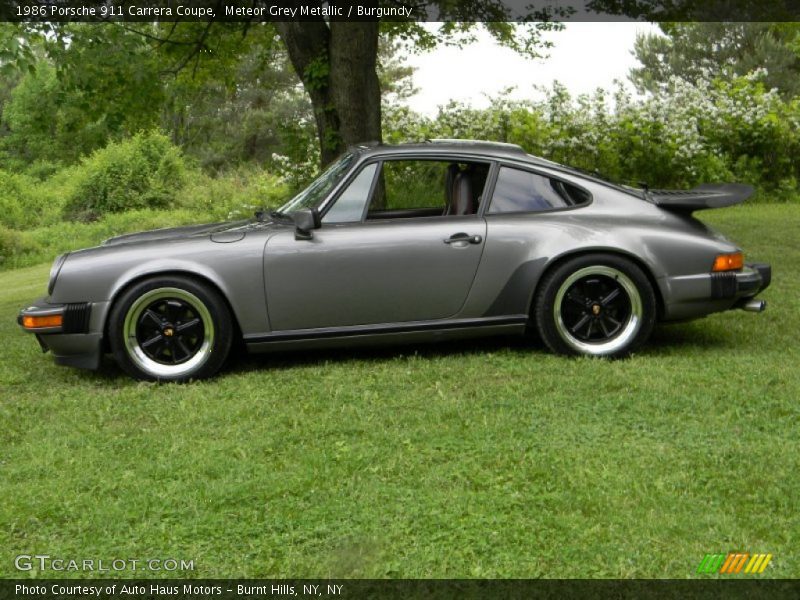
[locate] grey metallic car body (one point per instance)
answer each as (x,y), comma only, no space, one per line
(395,279)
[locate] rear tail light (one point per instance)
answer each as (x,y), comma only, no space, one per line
(728,262)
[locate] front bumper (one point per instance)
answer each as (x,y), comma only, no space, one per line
(693,296)
(77,341)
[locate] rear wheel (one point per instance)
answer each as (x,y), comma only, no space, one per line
(596,305)
(170,329)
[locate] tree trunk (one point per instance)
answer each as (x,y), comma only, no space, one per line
(338,67)
(355,88)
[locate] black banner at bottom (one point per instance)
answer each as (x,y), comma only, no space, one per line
(390,589)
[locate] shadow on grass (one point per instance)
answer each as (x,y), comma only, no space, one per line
(287,359)
(108,373)
(697,335)
(666,339)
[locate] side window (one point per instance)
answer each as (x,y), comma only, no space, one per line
(427,188)
(523,191)
(349,206)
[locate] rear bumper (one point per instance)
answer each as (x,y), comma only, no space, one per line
(78,341)
(689,297)
(748,282)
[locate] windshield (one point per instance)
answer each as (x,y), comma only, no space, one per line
(314,194)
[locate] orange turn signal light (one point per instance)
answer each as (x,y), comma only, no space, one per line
(33,322)
(729,262)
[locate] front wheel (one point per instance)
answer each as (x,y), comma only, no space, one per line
(170,329)
(596,305)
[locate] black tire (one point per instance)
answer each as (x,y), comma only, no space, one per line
(170,329)
(595,305)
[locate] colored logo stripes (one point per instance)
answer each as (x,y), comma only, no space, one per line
(734,563)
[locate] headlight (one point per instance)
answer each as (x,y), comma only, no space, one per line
(54,271)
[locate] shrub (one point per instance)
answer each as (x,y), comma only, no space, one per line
(43,243)
(145,171)
(689,133)
(236,194)
(21,204)
(13,245)
(300,165)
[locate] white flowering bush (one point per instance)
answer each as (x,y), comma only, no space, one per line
(712,131)
(300,165)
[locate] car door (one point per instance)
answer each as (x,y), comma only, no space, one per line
(375,270)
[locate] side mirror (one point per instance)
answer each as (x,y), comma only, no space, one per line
(305,220)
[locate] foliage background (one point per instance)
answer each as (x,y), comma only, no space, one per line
(103,129)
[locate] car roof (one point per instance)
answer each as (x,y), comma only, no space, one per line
(481,149)
(434,146)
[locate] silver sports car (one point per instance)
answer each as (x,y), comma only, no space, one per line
(440,240)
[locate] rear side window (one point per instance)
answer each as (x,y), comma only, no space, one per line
(523,191)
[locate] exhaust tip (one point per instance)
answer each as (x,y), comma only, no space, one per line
(754,305)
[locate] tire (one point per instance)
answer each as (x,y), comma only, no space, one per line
(595,305)
(170,329)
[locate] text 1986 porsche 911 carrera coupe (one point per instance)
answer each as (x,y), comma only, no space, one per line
(438,240)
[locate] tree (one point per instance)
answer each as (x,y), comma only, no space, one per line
(75,87)
(339,66)
(81,85)
(337,63)
(394,74)
(696,51)
(238,100)
(224,91)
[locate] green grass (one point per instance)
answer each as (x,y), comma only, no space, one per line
(484,459)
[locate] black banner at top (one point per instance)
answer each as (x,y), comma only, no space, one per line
(397,10)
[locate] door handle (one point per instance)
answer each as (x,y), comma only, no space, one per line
(463,237)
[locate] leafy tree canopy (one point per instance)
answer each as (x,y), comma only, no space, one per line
(700,51)
(226,92)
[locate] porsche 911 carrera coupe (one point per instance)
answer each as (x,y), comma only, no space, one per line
(439,240)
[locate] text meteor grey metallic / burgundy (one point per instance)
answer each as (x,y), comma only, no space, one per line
(439,240)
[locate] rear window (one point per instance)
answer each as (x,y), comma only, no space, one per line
(522,191)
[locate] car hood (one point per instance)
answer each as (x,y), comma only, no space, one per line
(227,229)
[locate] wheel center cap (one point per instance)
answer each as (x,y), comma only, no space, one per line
(169,331)
(595,309)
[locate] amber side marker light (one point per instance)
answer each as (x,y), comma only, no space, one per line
(729,262)
(29,322)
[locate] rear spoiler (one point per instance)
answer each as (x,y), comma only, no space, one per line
(708,195)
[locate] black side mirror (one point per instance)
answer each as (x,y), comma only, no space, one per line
(305,220)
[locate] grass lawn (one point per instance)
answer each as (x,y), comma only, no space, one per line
(484,459)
